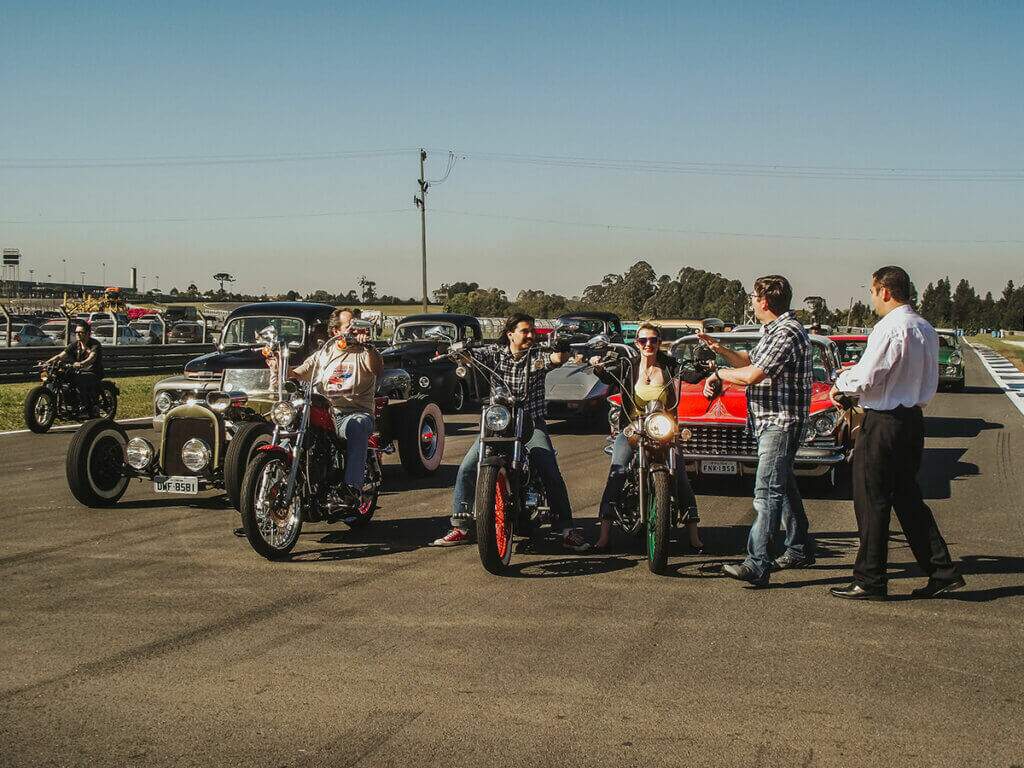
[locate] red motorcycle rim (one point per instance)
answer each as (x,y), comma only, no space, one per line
(500,503)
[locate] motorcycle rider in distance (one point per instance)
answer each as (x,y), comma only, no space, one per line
(649,378)
(511,361)
(86,356)
(346,374)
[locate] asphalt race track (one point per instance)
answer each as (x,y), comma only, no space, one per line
(149,635)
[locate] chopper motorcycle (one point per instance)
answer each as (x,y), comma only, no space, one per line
(57,398)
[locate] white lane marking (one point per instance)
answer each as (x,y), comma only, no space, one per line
(66,427)
(1002,371)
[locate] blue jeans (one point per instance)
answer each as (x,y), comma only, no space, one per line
(355,429)
(622,454)
(777,500)
(542,457)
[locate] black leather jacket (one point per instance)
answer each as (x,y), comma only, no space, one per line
(625,369)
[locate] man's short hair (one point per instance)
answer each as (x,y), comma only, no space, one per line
(84,327)
(777,290)
(335,320)
(896,280)
(516,319)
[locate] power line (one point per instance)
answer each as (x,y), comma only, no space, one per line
(711,233)
(835,173)
(193,160)
(184,219)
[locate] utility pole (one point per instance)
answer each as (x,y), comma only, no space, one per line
(421,203)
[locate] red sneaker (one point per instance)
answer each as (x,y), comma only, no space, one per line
(453,538)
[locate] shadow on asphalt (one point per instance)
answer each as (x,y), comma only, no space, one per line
(569,566)
(397,479)
(939,467)
(379,537)
(215,503)
(948,426)
(981,391)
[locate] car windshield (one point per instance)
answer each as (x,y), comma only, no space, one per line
(588,325)
(415,331)
(245,330)
(683,352)
(850,351)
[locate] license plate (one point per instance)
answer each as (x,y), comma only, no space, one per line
(188,485)
(719,467)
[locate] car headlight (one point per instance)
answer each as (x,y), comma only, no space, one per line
(163,402)
(195,454)
(497,418)
(825,423)
(956,358)
(660,427)
(283,413)
(138,453)
(424,382)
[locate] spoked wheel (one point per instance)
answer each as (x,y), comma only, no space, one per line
(271,528)
(95,463)
(40,410)
(106,400)
(458,398)
(495,512)
(659,520)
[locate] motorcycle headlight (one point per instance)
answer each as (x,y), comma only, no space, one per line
(956,358)
(660,427)
(195,454)
(138,453)
(497,418)
(44,376)
(163,402)
(825,423)
(283,413)
(424,382)
(461,371)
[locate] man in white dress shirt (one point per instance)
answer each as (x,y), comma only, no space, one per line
(897,374)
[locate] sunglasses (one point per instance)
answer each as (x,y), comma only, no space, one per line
(645,340)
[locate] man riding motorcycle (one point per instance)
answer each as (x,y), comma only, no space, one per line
(346,373)
(511,360)
(86,356)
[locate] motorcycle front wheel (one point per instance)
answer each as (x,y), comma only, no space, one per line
(106,400)
(495,512)
(659,520)
(40,410)
(272,529)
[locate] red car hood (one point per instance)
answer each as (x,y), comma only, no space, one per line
(731,406)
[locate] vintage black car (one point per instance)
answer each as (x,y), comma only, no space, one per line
(212,420)
(573,390)
(415,344)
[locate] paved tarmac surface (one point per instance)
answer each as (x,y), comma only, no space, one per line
(149,635)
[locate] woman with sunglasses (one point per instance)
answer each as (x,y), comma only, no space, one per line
(648,378)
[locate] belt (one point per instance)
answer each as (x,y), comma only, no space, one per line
(898,411)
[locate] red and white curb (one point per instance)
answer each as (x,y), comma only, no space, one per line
(73,427)
(1004,373)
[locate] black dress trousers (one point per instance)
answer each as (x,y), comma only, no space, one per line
(885,465)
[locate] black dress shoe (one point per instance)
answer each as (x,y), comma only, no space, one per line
(742,572)
(939,586)
(854,591)
(239,532)
(790,560)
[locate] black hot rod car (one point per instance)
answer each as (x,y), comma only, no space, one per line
(210,421)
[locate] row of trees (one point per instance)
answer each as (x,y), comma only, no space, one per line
(640,292)
(367,294)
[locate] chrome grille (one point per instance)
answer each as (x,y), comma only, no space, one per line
(718,440)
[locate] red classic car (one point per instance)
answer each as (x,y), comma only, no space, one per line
(850,347)
(714,434)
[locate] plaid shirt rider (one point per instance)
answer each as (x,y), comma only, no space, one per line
(513,370)
(783,398)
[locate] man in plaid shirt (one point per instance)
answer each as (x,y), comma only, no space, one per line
(777,374)
(512,360)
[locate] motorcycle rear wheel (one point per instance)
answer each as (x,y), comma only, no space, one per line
(659,521)
(495,512)
(272,533)
(40,410)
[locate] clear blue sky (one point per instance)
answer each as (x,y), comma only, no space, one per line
(926,86)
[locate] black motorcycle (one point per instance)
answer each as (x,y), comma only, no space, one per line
(510,498)
(58,398)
